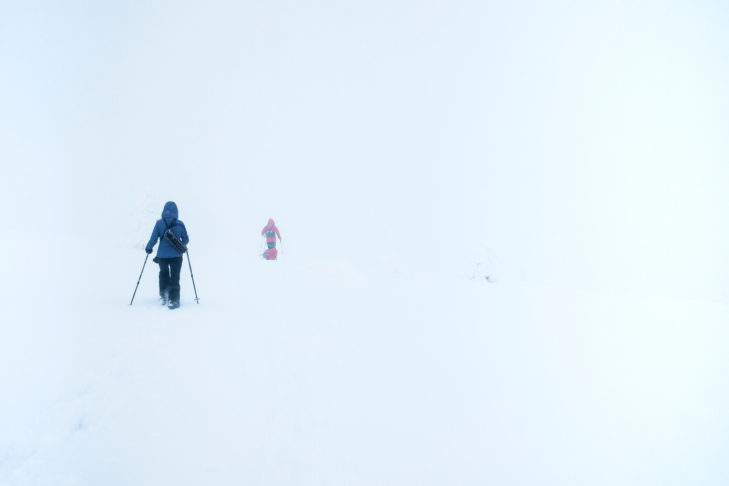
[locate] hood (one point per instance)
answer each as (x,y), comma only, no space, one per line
(270,221)
(169,213)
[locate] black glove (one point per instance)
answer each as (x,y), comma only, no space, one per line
(148,250)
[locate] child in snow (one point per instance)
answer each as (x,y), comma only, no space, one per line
(168,257)
(270,231)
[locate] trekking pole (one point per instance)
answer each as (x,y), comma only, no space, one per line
(197,301)
(140,278)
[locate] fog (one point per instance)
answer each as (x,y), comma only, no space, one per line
(585,140)
(562,145)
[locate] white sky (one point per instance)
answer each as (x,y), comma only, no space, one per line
(584,141)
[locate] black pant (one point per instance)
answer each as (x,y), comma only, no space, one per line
(271,244)
(169,277)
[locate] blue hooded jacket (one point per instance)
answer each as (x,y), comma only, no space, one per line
(169,220)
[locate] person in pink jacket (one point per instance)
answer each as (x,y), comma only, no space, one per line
(270,231)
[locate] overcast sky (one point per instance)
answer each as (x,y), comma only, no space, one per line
(583,141)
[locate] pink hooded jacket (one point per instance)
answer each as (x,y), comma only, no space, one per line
(270,231)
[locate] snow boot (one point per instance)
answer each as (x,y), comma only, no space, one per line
(173,305)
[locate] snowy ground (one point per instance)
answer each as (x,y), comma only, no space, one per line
(575,152)
(313,373)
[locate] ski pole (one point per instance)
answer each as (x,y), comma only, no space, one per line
(197,301)
(140,278)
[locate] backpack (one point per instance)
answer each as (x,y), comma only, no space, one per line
(176,243)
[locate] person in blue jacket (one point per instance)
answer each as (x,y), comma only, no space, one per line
(168,258)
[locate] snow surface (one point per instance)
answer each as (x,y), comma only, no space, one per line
(315,372)
(504,257)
